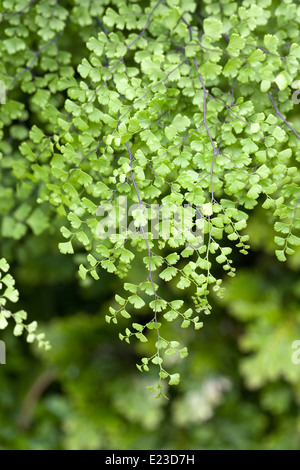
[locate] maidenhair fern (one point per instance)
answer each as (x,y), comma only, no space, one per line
(155,135)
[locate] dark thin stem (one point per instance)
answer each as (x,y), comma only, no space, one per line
(145,238)
(29,67)
(204,115)
(101,26)
(18,12)
(127,49)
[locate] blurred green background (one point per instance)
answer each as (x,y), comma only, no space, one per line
(239,387)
